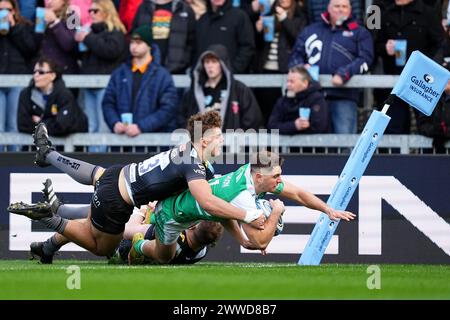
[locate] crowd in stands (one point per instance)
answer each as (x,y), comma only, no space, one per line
(142,43)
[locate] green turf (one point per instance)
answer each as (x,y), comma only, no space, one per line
(29,280)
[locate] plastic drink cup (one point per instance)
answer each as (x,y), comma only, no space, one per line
(4,21)
(400,52)
(304,113)
(127,118)
(268,27)
(39,27)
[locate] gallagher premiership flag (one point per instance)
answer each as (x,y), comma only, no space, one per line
(421,83)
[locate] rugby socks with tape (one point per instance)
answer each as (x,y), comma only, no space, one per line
(78,170)
(51,246)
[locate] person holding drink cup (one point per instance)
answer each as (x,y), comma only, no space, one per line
(142,87)
(231,27)
(106,49)
(406,26)
(275,37)
(56,34)
(303,108)
(17,47)
(342,48)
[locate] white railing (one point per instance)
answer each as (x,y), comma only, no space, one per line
(234,142)
(183,81)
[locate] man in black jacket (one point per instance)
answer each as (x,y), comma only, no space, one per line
(213,87)
(302,93)
(173,27)
(229,26)
(48,100)
(420,26)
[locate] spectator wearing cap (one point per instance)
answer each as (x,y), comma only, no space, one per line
(173,28)
(213,87)
(340,47)
(143,88)
(48,100)
(231,27)
(106,49)
(17,48)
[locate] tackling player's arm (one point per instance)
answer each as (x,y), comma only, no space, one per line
(201,190)
(261,238)
(232,226)
(309,200)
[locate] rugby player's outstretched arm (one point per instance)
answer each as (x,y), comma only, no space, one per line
(309,200)
(201,190)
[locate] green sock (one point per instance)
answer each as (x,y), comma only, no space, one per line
(139,245)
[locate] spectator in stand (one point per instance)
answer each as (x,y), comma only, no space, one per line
(173,28)
(437,126)
(340,47)
(316,8)
(290,20)
(143,88)
(231,27)
(58,42)
(199,7)
(420,26)
(127,11)
(17,47)
(302,92)
(106,50)
(273,56)
(213,87)
(48,100)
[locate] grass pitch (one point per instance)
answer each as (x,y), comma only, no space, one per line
(254,281)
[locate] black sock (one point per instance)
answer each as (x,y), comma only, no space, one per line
(80,171)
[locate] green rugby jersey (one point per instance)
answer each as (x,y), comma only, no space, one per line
(235,187)
(184,207)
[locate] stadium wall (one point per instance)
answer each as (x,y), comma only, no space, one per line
(402,204)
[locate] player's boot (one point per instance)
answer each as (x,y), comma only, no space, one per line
(45,209)
(42,143)
(37,251)
(121,254)
(135,257)
(50,196)
(35,211)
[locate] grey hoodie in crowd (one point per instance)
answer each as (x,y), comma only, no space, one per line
(239,108)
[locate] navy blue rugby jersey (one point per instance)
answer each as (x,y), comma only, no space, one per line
(165,174)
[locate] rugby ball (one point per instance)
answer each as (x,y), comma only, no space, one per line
(265,206)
